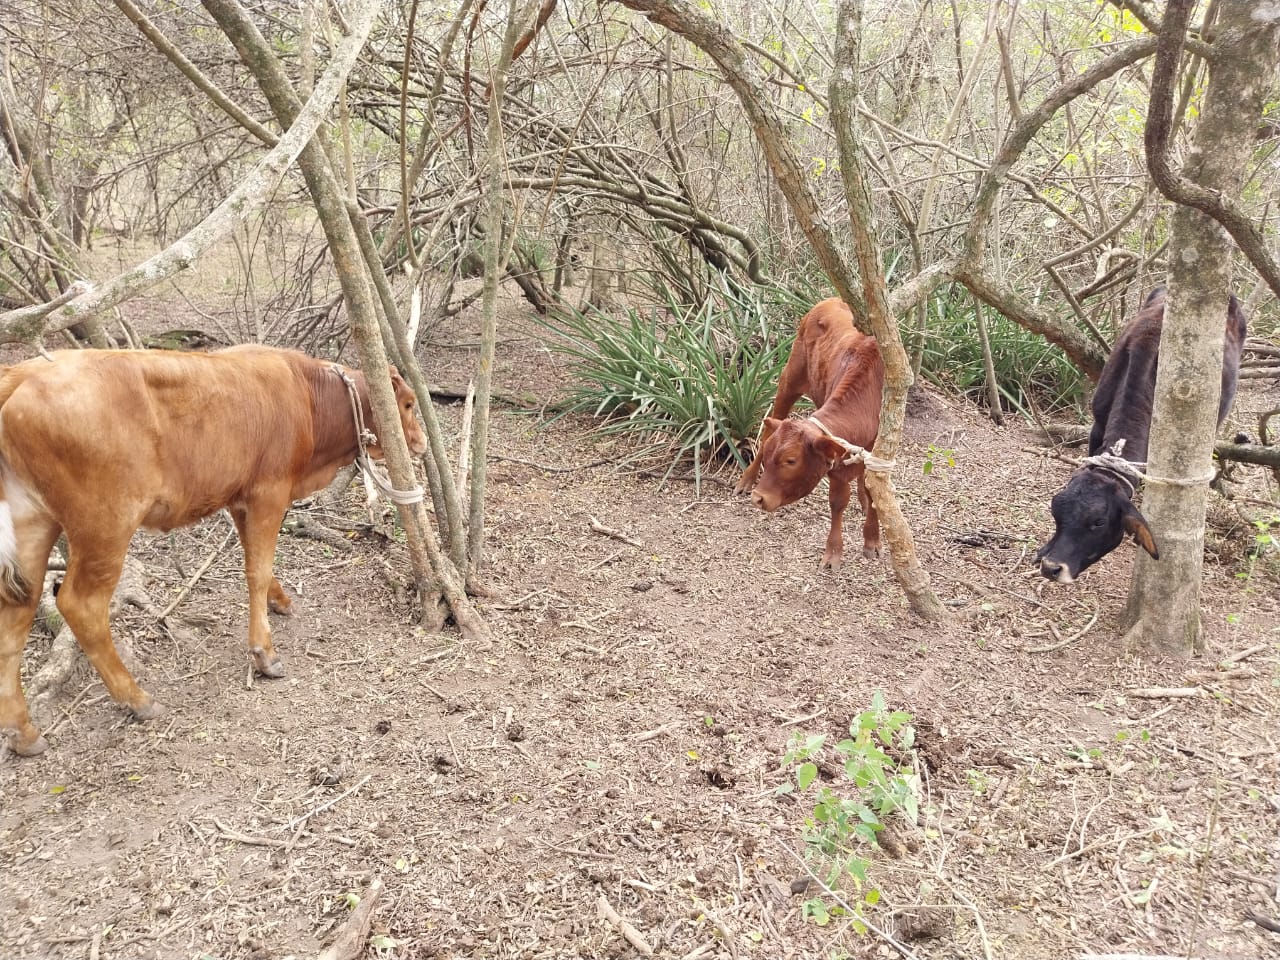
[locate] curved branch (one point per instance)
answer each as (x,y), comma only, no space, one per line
(743,76)
(249,196)
(1179,188)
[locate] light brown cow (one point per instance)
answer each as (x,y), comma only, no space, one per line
(98,443)
(841,371)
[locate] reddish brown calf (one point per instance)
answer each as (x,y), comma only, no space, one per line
(98,443)
(841,371)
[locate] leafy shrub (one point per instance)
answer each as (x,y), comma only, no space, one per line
(684,382)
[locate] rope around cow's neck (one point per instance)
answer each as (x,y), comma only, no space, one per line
(365,436)
(1133,473)
(856,453)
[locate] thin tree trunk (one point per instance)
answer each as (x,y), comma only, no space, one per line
(1163,609)
(897,368)
(326,192)
(493,265)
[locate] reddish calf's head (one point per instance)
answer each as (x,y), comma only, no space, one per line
(1091,515)
(793,461)
(405,403)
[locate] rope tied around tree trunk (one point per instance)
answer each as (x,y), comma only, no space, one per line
(856,454)
(365,436)
(1133,473)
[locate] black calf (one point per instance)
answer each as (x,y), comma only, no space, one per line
(1094,511)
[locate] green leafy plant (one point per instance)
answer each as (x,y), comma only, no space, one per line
(937,456)
(686,382)
(879,782)
(1030,371)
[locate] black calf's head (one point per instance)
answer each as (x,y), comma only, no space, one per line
(1092,513)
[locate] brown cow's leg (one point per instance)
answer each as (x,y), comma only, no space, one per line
(278,601)
(259,526)
(93,570)
(35,537)
(840,494)
(871,523)
(792,384)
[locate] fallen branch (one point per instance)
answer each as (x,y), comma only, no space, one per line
(298,821)
(1071,639)
(1266,923)
(195,577)
(351,938)
(1163,693)
(599,527)
(632,935)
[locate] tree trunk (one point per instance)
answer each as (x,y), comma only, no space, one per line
(424,553)
(1163,610)
(897,369)
(495,168)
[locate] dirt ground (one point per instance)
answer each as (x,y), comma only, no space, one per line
(621,741)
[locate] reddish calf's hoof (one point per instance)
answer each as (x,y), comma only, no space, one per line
(273,667)
(147,710)
(281,605)
(831,561)
(872,553)
(30,745)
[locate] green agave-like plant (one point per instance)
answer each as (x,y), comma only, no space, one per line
(687,382)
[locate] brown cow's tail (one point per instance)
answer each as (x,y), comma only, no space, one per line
(13,586)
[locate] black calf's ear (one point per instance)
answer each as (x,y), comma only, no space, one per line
(1136,524)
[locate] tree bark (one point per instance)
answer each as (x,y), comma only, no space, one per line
(897,534)
(494,258)
(1163,609)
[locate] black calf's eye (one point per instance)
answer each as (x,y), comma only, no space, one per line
(1097,524)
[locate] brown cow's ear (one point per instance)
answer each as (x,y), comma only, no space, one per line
(1136,524)
(772,424)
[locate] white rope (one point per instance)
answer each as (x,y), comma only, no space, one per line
(365,436)
(856,454)
(1133,473)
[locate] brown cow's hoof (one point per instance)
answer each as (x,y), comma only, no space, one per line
(31,746)
(282,605)
(148,710)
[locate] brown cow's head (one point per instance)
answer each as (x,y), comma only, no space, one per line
(405,401)
(795,458)
(1092,513)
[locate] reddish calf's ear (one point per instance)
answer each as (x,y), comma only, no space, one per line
(1136,524)
(771,424)
(828,448)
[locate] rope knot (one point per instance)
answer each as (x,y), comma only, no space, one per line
(365,437)
(856,454)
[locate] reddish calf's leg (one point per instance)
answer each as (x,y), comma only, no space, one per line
(93,569)
(34,538)
(259,525)
(791,387)
(871,523)
(840,493)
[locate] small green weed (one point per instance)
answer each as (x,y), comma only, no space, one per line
(879,782)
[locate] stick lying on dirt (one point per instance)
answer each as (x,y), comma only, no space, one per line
(599,527)
(631,933)
(354,933)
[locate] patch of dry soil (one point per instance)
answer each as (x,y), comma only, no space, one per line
(623,736)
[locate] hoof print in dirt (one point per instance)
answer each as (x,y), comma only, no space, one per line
(326,776)
(722,778)
(382,727)
(515,732)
